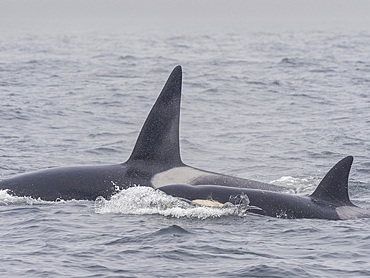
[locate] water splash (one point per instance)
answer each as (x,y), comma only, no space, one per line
(146,200)
(299,186)
(7,199)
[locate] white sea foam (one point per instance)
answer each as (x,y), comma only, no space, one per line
(8,199)
(299,186)
(145,200)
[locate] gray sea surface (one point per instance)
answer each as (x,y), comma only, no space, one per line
(280,107)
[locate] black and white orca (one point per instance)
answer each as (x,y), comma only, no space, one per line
(330,200)
(155,161)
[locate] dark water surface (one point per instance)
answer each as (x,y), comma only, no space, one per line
(278,107)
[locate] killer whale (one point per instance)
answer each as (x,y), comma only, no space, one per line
(155,161)
(330,200)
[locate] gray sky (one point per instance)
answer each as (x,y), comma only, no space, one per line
(70,15)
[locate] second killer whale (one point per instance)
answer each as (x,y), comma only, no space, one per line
(155,161)
(330,200)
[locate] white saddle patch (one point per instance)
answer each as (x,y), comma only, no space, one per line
(349,212)
(178,175)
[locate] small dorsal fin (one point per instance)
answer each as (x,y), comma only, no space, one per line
(334,186)
(159,136)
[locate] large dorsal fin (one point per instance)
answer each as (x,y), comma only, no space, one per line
(334,186)
(159,137)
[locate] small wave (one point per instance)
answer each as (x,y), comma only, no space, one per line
(127,58)
(141,200)
(103,150)
(33,61)
(290,61)
(173,229)
(297,62)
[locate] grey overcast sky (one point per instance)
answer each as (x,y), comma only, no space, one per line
(127,15)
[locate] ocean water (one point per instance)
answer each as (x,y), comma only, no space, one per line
(279,107)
